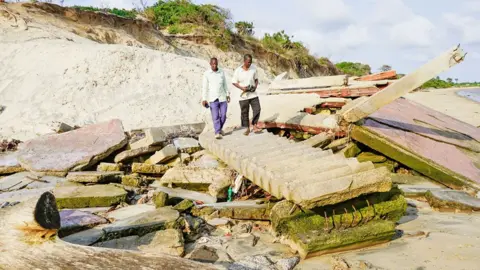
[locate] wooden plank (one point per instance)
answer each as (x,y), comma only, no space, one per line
(391,74)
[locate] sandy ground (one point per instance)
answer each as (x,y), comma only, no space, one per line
(431,240)
(52,75)
(447,101)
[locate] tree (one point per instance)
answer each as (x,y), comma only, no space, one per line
(354,69)
(456,80)
(245,28)
(385,68)
(449,80)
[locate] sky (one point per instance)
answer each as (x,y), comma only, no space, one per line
(401,33)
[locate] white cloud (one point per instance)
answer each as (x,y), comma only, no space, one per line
(468,27)
(472,6)
(415,32)
(327,11)
(389,12)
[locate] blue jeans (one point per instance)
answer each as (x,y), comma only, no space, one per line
(219,114)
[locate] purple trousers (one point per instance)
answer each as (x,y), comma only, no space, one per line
(219,114)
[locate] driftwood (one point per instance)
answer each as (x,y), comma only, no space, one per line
(28,241)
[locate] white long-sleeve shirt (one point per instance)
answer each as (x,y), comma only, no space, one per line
(214,86)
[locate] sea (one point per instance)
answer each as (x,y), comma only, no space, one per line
(473,94)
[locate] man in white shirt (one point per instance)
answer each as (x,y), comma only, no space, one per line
(216,96)
(245,78)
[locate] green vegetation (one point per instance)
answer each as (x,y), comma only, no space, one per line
(244,28)
(354,69)
(131,14)
(438,83)
(384,68)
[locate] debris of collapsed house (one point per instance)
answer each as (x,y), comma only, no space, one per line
(333,177)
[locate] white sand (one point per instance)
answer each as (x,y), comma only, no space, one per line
(45,77)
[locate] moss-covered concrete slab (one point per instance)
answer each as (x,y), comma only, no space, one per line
(141,224)
(143,168)
(351,150)
(183,206)
(109,167)
(160,199)
(245,210)
(369,156)
(95,177)
(431,143)
(89,196)
(135,180)
(452,201)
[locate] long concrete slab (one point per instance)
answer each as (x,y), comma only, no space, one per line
(310,177)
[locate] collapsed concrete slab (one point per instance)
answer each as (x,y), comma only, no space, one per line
(187,145)
(89,196)
(169,241)
(452,200)
(73,221)
(185,194)
(72,151)
(130,211)
(246,210)
(9,163)
(153,137)
(165,154)
(308,176)
(360,222)
(94,177)
(133,153)
(196,178)
(109,167)
(438,146)
(143,168)
(27,180)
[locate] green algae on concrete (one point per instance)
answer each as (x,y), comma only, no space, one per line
(411,160)
(351,150)
(89,196)
(109,167)
(369,156)
(245,213)
(149,168)
(183,206)
(446,200)
(95,177)
(134,180)
(389,164)
(160,199)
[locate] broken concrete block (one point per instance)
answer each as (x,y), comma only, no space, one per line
(185,194)
(196,178)
(60,127)
(165,154)
(183,206)
(287,263)
(416,191)
(130,211)
(109,167)
(9,163)
(134,180)
(160,199)
(187,145)
(186,158)
(204,254)
(368,156)
(130,154)
(452,200)
(246,210)
(149,168)
(85,238)
(89,196)
(27,180)
(94,177)
(169,241)
(389,164)
(22,195)
(126,243)
(141,224)
(73,221)
(72,151)
(205,161)
(153,137)
(352,150)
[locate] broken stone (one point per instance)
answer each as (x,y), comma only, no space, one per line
(128,243)
(186,158)
(452,200)
(141,224)
(85,238)
(352,150)
(249,210)
(183,206)
(416,191)
(368,156)
(130,154)
(185,194)
(204,254)
(109,167)
(73,221)
(9,163)
(389,164)
(287,263)
(169,241)
(89,196)
(60,127)
(187,145)
(205,161)
(153,137)
(27,180)
(197,178)
(134,180)
(165,154)
(160,199)
(130,211)
(257,262)
(94,177)
(72,151)
(149,168)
